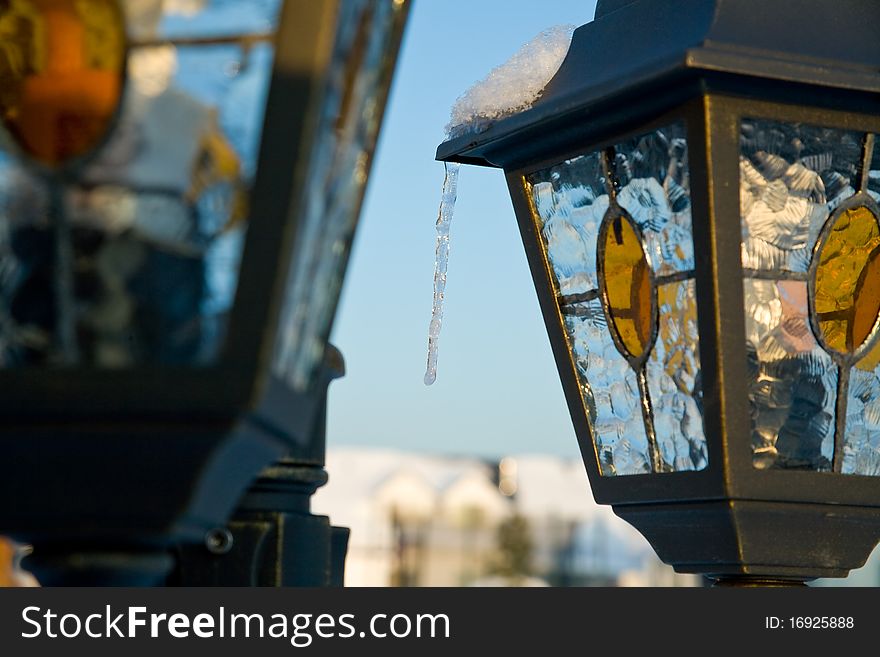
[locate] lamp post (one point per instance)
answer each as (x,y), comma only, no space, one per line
(180,188)
(697,190)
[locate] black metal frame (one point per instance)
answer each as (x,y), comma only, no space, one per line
(710,64)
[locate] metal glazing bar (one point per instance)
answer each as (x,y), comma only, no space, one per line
(577,310)
(648,418)
(677,277)
(840,416)
(134,190)
(776,275)
(243,40)
(582,297)
(609,155)
(867,156)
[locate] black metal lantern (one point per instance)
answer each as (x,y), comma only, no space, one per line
(180,186)
(697,192)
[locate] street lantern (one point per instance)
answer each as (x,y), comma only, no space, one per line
(179,187)
(697,192)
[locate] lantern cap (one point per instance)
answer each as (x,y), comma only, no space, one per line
(634,48)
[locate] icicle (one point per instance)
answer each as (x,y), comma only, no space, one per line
(444,222)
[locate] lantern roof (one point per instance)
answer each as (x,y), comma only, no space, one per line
(639,56)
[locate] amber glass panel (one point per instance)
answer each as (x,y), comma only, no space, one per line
(627,280)
(61,74)
(848,280)
(866,301)
(7,556)
(870,360)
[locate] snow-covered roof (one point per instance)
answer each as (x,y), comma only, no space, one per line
(550,486)
(365,481)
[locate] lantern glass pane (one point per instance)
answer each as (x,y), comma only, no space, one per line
(610,392)
(862,443)
(792,176)
(571,200)
(673,373)
(792,379)
(133,257)
(655,190)
(650,259)
(811,254)
(345,140)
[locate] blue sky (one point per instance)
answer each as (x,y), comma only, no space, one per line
(497,388)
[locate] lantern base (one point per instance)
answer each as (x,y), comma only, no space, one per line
(758,540)
(272,539)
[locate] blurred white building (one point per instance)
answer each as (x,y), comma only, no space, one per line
(422,520)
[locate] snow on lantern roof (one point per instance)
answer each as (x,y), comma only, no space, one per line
(515,85)
(641,58)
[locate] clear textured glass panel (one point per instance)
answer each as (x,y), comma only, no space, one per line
(346,137)
(136,257)
(673,373)
(793,382)
(610,392)
(792,176)
(874,171)
(861,450)
(655,189)
(570,201)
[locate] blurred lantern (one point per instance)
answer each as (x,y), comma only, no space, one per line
(179,187)
(697,192)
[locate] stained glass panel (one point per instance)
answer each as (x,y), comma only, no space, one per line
(571,202)
(799,227)
(136,258)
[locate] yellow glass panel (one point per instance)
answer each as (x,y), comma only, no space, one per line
(628,289)
(61,74)
(848,280)
(867,309)
(673,329)
(7,555)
